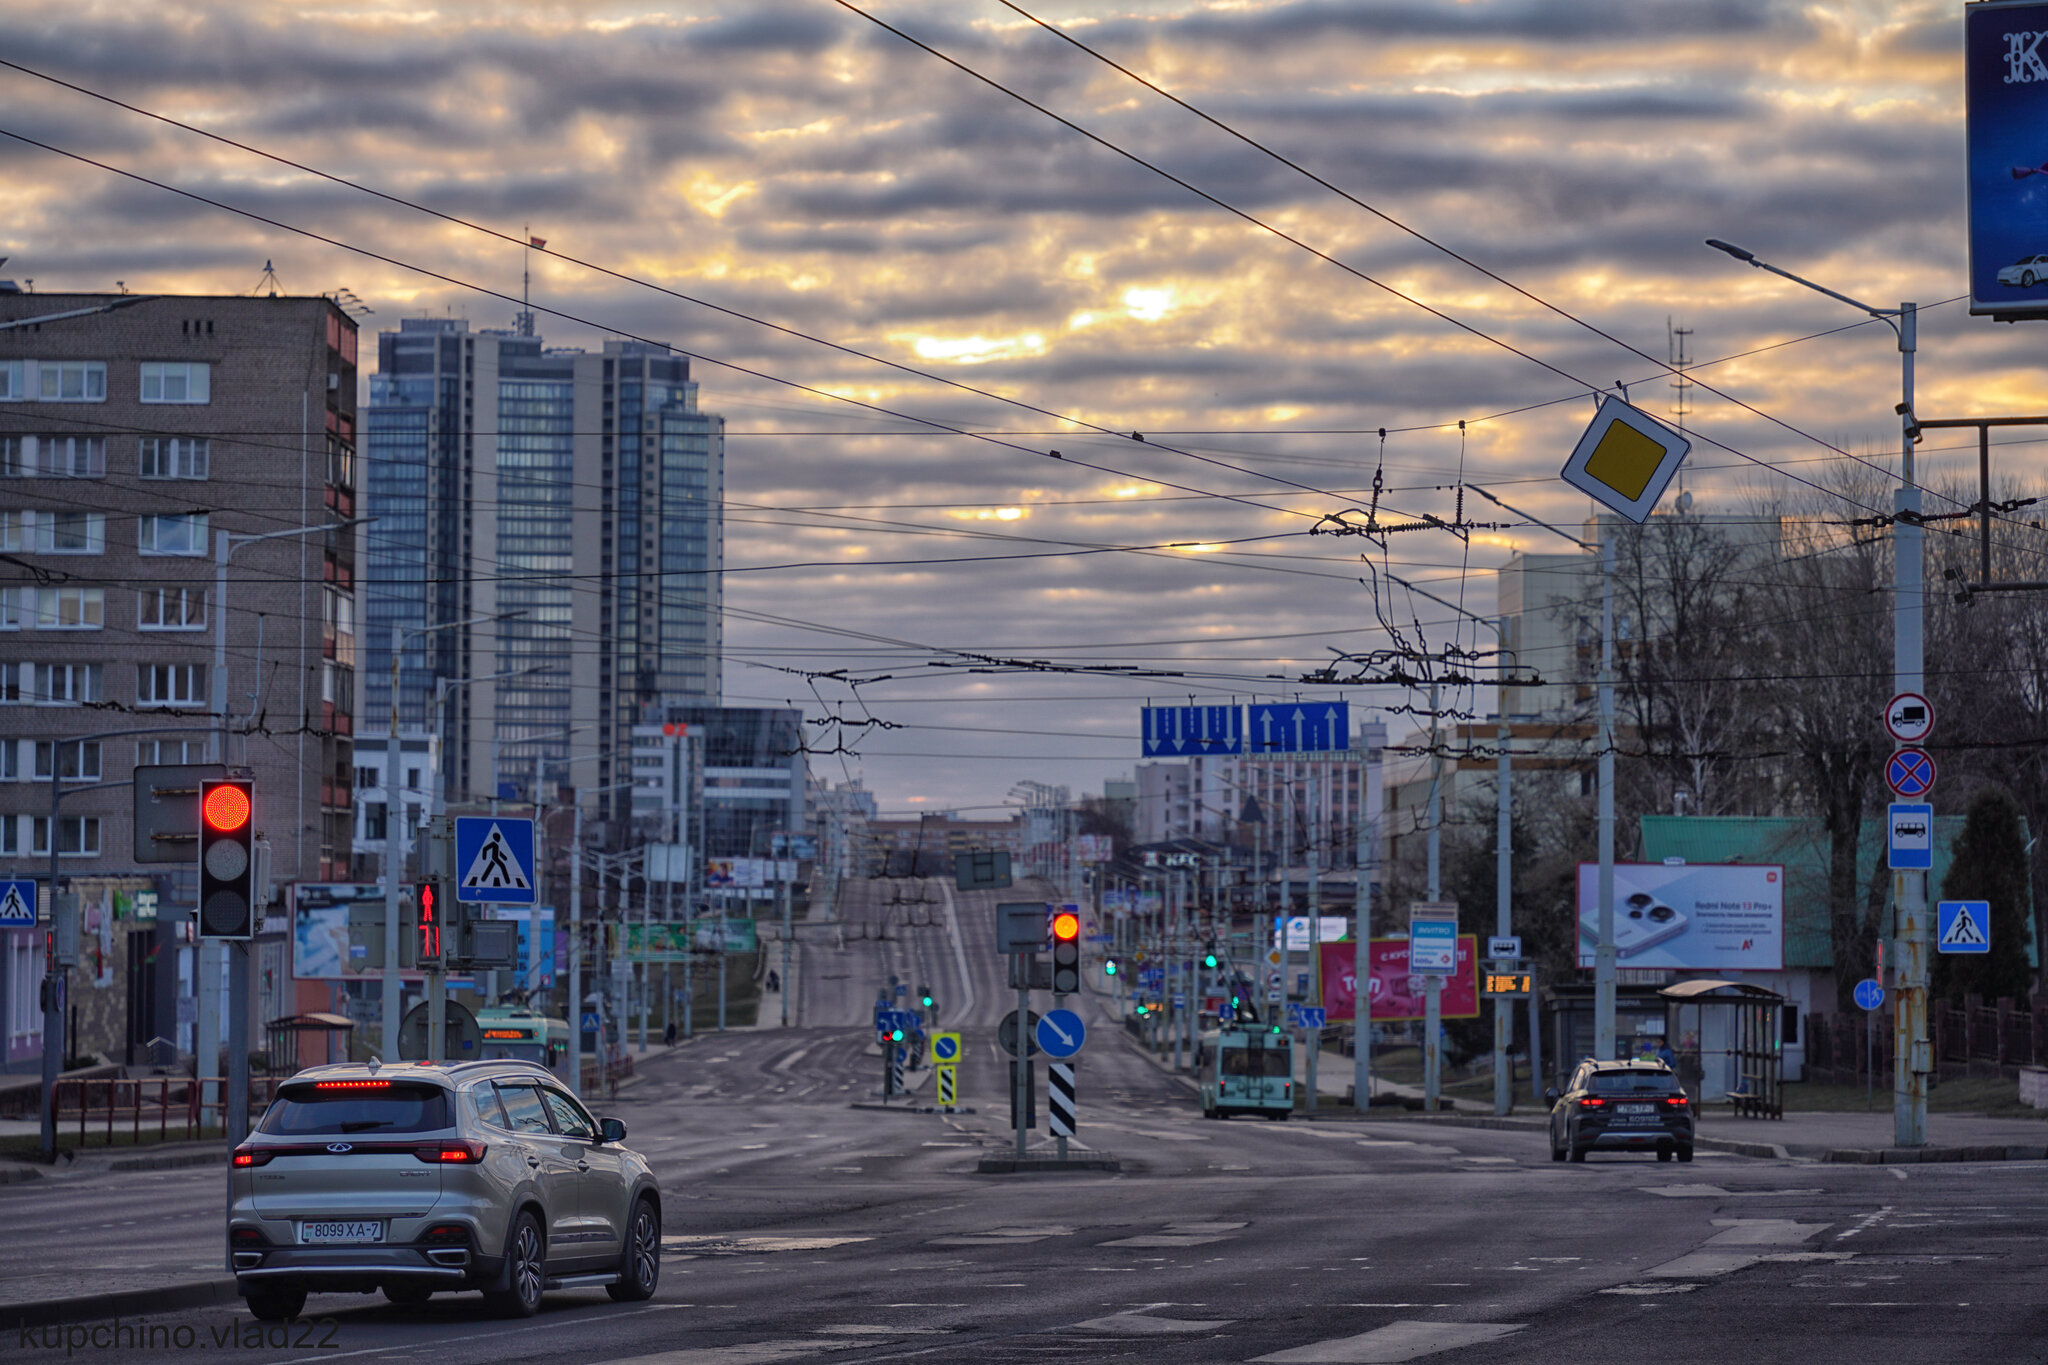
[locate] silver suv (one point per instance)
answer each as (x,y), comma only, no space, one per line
(421,1176)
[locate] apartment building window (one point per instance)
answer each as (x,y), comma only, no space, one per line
(170,751)
(13,381)
(78,836)
(76,760)
(176,381)
(71,381)
(67,684)
(10,769)
(176,533)
(52,608)
(170,684)
(171,608)
(53,457)
(175,457)
(28,531)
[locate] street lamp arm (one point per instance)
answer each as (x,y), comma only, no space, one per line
(1888,316)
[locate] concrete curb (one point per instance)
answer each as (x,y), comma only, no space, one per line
(1893,1156)
(14,1175)
(910,1108)
(171,1161)
(214,1293)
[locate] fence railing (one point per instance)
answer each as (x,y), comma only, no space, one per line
(1970,1039)
(160,1106)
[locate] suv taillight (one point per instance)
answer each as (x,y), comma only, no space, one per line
(252,1156)
(1674,1099)
(451,1153)
(447,1234)
(247,1237)
(1591,1102)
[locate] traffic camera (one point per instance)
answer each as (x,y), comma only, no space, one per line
(227,863)
(1066,953)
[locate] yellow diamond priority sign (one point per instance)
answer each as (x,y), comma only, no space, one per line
(1625,460)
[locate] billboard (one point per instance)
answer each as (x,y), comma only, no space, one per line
(1689,916)
(2005,83)
(1396,995)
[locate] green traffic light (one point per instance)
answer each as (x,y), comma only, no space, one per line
(927,1002)
(897,1036)
(1109,967)
(1210,962)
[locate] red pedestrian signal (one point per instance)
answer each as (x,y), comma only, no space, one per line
(430,928)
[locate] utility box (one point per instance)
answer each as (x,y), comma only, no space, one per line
(366,933)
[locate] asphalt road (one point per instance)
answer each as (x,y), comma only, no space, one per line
(800,1227)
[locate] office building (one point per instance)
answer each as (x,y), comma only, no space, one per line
(558,512)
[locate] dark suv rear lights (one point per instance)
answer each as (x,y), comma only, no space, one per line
(252,1156)
(446,1234)
(247,1237)
(451,1153)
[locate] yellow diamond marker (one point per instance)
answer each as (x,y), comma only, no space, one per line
(1625,460)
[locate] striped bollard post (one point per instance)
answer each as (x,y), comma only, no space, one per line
(1060,1101)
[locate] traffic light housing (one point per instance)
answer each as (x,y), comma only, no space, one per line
(1209,958)
(924,995)
(1109,967)
(1066,953)
(227,858)
(430,952)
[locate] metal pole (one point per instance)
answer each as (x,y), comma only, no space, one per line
(1432,993)
(1503,878)
(679,778)
(1020,1074)
(1313,1038)
(1368,866)
(1913,1058)
(1603,951)
(788,897)
(394,859)
(576,952)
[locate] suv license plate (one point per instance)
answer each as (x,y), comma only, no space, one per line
(1635,1108)
(341,1232)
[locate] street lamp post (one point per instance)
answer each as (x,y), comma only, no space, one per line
(237,1114)
(1503,850)
(576,935)
(394,825)
(1912,1060)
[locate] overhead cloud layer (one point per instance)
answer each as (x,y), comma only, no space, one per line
(791,160)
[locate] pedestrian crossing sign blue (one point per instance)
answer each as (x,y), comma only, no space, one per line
(1965,927)
(18,904)
(494,860)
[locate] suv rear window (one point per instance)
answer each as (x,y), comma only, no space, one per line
(1625,1082)
(304,1109)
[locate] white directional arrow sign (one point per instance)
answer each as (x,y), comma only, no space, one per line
(1295,728)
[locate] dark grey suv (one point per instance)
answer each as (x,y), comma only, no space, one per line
(1634,1106)
(420,1177)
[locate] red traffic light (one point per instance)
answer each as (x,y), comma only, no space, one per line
(226,809)
(1066,927)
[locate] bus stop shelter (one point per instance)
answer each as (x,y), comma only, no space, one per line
(1728,1044)
(286,1037)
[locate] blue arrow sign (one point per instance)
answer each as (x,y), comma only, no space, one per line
(18,903)
(945,1048)
(494,860)
(1306,1016)
(1193,730)
(1869,995)
(1061,1033)
(1965,927)
(1298,727)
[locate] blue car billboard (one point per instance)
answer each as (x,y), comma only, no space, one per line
(2006,87)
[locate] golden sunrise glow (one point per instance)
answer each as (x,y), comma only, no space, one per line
(1149,305)
(978,350)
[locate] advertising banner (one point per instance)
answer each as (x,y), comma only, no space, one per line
(523,916)
(1689,916)
(321,950)
(2005,82)
(1334,928)
(1396,995)
(672,942)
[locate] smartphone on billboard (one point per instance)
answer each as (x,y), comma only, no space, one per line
(1641,921)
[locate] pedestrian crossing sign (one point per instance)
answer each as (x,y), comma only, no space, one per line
(1965,927)
(494,860)
(18,904)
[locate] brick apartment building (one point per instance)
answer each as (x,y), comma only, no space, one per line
(135,431)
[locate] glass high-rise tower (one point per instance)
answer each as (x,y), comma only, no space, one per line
(574,495)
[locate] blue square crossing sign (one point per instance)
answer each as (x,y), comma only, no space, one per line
(494,860)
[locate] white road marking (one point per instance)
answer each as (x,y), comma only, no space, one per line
(748,1353)
(1897,1172)
(1864,1223)
(1160,1239)
(1716,1192)
(1395,1342)
(1144,1324)
(1743,1242)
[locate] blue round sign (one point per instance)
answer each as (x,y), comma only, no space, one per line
(1061,1033)
(1869,994)
(945,1048)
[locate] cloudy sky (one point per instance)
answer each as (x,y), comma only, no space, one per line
(796,162)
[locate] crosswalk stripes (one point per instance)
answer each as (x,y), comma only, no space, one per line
(1060,1098)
